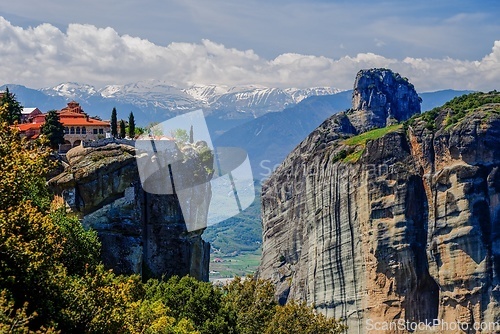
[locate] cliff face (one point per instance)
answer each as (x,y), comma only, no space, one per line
(140,232)
(394,224)
(382,97)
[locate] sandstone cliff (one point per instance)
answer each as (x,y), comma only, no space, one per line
(140,232)
(399,223)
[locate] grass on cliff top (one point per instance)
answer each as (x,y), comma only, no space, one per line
(363,138)
(359,142)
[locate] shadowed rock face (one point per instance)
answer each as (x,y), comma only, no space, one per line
(140,232)
(409,231)
(382,97)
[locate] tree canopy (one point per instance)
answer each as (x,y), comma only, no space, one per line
(13,109)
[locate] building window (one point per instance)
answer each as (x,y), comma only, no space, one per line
(66,130)
(77,130)
(94,131)
(72,131)
(84,130)
(101,131)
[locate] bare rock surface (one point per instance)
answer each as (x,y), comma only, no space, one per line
(140,232)
(401,227)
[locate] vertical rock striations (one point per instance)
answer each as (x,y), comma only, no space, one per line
(394,224)
(140,232)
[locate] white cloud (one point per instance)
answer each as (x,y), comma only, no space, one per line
(44,56)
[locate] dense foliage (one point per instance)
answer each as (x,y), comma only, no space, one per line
(52,281)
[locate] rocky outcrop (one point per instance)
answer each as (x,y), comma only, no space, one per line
(382,97)
(399,224)
(140,232)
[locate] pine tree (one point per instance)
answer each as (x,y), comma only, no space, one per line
(122,129)
(191,136)
(53,129)
(114,123)
(131,125)
(12,106)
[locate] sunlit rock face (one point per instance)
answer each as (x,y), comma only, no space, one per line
(140,232)
(404,228)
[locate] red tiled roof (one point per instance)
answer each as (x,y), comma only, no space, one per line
(29,126)
(72,115)
(82,122)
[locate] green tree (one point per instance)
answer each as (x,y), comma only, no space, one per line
(252,300)
(139,131)
(188,298)
(180,135)
(114,123)
(13,108)
(297,317)
(191,135)
(53,129)
(131,125)
(82,247)
(122,129)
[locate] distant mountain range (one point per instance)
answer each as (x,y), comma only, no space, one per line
(156,101)
(267,122)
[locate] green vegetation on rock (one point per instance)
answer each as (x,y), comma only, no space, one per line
(363,138)
(359,142)
(458,108)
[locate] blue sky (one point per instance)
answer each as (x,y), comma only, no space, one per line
(280,43)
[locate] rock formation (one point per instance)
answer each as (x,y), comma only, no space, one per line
(140,232)
(397,224)
(382,97)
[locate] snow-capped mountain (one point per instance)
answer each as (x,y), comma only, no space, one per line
(71,90)
(299,94)
(220,101)
(206,93)
(152,94)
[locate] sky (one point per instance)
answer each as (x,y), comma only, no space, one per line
(437,44)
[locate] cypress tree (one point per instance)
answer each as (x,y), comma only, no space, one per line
(122,129)
(53,129)
(13,108)
(114,123)
(131,125)
(191,136)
